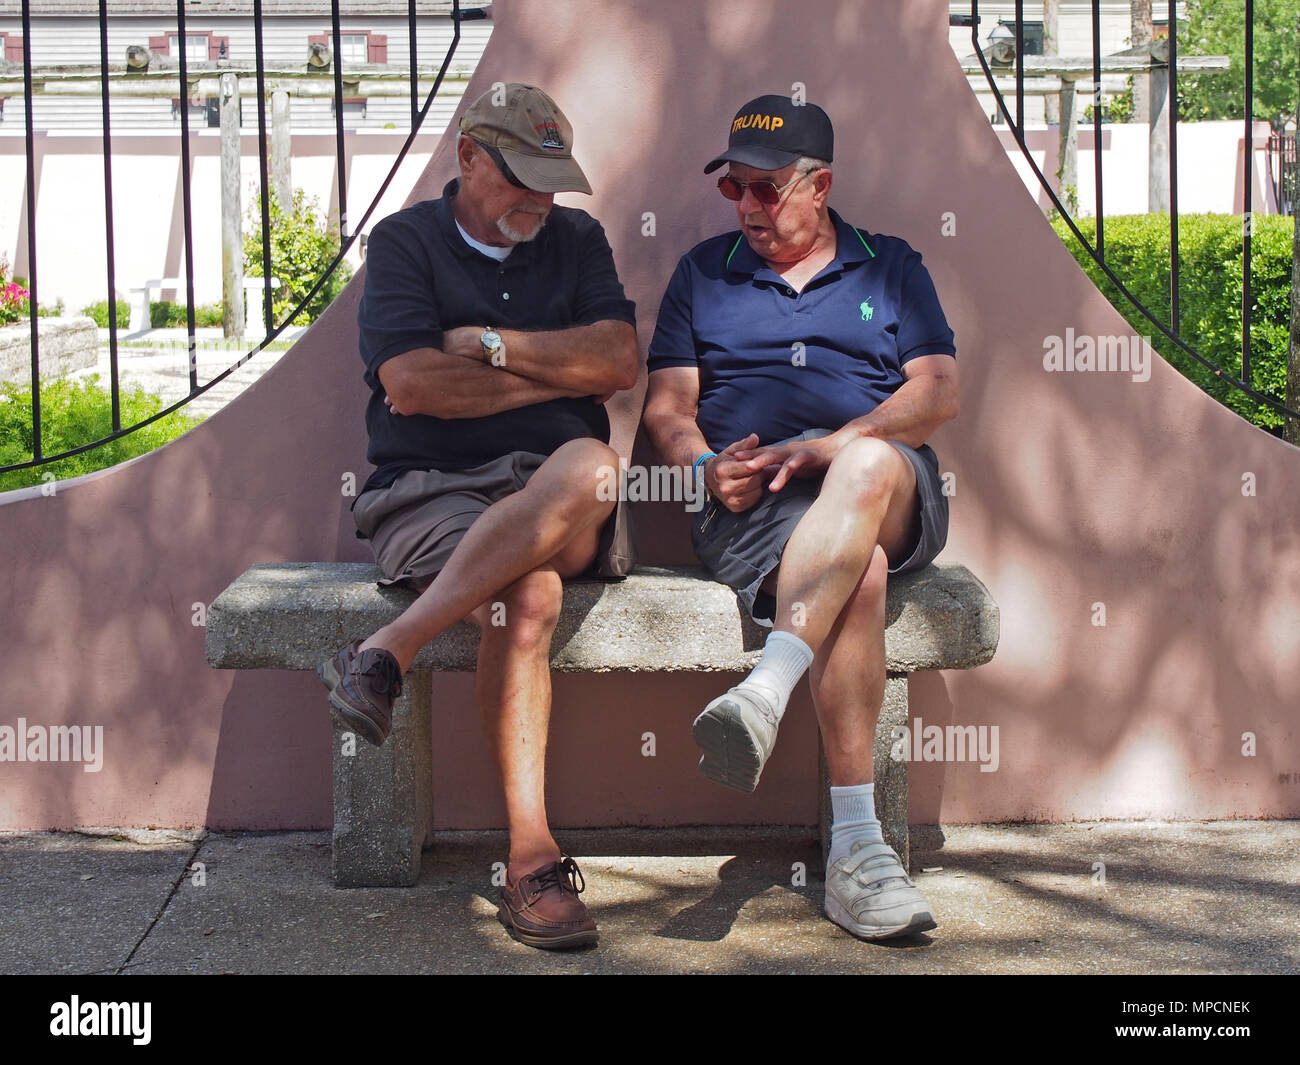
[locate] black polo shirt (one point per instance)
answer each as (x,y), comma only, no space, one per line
(422,277)
(776,362)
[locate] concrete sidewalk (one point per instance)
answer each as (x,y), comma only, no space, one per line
(1187,897)
(158,361)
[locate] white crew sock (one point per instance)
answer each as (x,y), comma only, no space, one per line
(853,817)
(785,659)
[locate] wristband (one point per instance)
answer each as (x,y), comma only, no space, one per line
(704,458)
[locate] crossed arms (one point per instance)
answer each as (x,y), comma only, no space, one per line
(457,381)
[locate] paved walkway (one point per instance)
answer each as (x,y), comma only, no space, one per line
(158,361)
(1218,897)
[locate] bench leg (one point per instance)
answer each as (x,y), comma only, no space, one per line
(383,796)
(890,776)
(139,310)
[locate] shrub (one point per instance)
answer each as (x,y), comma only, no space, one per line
(99,312)
(14,302)
(13,297)
(165,314)
(75,413)
(302,248)
(1210,289)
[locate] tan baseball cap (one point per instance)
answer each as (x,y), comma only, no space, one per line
(532,135)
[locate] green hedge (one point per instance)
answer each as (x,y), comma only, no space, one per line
(162,314)
(1209,254)
(99,312)
(75,413)
(165,314)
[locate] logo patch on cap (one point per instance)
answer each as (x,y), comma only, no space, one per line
(551,139)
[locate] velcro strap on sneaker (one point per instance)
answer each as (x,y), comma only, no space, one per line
(875,863)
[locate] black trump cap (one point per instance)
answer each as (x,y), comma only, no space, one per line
(771,132)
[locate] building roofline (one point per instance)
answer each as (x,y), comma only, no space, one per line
(197,9)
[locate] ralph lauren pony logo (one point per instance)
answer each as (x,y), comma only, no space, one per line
(551,139)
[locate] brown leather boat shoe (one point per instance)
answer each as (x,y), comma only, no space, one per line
(543,908)
(363,688)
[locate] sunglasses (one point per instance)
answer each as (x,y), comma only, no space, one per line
(502,165)
(765,192)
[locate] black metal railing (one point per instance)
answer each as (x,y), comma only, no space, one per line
(1282,171)
(1096,249)
(347,232)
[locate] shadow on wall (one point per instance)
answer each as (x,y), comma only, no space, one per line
(1071,490)
(1142,597)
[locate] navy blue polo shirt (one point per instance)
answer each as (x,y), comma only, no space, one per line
(422,278)
(776,362)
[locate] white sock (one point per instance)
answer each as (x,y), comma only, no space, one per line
(853,817)
(785,659)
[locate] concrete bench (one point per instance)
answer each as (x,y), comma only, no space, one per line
(294,615)
(142,296)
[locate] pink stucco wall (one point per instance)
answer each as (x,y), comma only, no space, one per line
(1071,490)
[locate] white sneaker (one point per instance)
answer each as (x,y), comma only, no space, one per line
(736,732)
(869,893)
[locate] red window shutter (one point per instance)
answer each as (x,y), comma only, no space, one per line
(13,47)
(214,47)
(160,45)
(378,46)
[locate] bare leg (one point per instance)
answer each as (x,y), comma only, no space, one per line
(848,678)
(868,497)
(513,685)
(511,538)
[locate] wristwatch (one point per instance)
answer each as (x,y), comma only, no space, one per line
(492,344)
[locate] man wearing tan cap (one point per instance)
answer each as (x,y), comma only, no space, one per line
(801,364)
(493,328)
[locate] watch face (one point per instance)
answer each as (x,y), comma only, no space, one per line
(491,340)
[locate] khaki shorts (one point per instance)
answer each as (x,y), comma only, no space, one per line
(415,523)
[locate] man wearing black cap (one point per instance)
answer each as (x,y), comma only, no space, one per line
(800,364)
(493,328)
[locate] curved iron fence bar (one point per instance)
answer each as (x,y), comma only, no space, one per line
(1259,397)
(470,14)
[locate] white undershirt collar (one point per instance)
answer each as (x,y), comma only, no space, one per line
(490,250)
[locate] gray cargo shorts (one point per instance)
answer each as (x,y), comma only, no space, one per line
(742,550)
(414,524)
